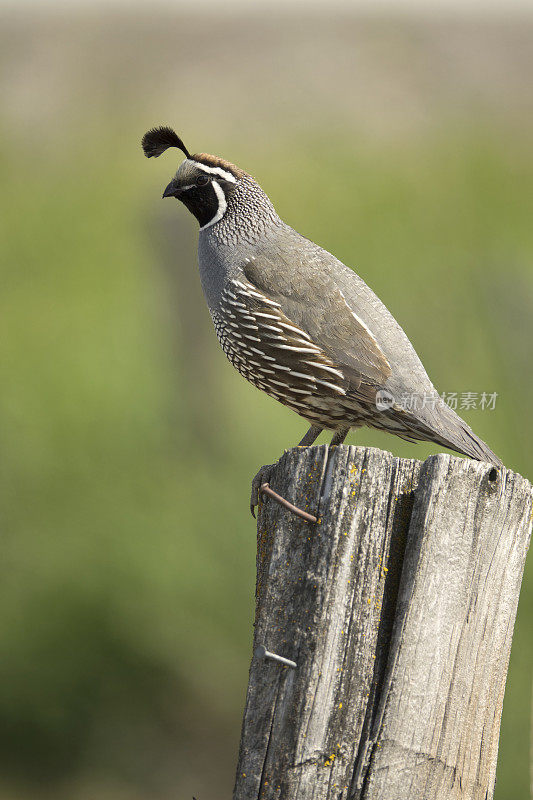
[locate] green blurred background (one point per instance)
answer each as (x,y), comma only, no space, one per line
(400,142)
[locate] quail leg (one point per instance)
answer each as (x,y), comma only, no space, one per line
(263,475)
(339,436)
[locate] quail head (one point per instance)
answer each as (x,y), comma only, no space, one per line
(299,324)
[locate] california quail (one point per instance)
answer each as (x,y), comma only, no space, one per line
(299,324)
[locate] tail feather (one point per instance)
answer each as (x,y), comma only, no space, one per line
(449,430)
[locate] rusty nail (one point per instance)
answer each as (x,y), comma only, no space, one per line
(281,500)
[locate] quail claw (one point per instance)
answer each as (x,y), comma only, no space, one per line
(262,476)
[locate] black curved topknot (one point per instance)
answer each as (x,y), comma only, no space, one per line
(157,140)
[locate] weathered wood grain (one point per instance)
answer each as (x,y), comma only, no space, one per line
(398,608)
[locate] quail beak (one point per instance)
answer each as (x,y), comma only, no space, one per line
(172,189)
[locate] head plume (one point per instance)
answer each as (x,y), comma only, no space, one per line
(157,140)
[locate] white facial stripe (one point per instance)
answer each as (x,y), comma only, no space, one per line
(222,205)
(217,171)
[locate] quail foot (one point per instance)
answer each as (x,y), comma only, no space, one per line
(299,324)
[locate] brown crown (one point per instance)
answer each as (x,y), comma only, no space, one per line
(215,161)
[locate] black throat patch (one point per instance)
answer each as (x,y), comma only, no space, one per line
(203,202)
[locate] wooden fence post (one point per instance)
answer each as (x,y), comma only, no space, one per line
(398,608)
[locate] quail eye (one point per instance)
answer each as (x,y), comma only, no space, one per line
(201,180)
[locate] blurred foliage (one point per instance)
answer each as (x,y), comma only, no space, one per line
(128,442)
